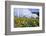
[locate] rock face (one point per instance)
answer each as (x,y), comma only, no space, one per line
(21,12)
(34,16)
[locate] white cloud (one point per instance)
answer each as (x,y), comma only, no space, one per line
(21,12)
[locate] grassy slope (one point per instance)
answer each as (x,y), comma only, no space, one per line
(25,22)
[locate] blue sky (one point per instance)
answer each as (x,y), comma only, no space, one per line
(24,11)
(34,10)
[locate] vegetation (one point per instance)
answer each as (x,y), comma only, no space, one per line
(26,22)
